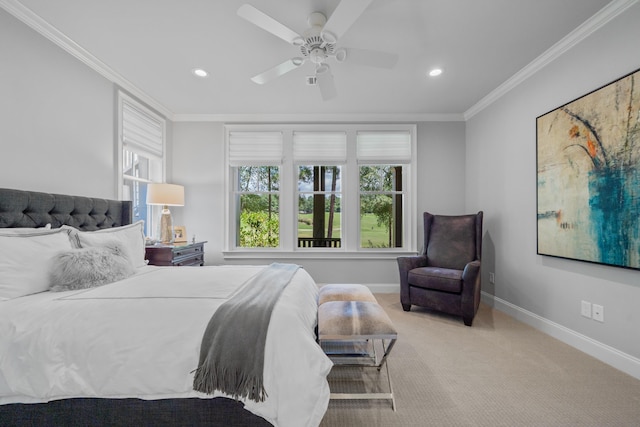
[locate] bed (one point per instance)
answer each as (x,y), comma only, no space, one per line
(125,352)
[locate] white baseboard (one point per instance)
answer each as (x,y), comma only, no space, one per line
(607,354)
(379,288)
(384,288)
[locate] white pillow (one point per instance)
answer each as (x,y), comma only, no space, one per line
(25,259)
(24,230)
(129,236)
(89,267)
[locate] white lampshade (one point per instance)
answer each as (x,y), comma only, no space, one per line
(165,194)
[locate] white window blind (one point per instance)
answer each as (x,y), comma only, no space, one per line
(142,129)
(325,147)
(255,148)
(376,147)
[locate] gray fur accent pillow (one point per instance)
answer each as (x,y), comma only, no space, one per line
(89,267)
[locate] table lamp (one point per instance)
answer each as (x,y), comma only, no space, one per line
(165,195)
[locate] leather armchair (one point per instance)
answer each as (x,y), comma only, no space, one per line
(446,277)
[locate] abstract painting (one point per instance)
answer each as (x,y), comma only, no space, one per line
(588,176)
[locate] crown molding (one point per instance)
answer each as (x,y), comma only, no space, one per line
(591,25)
(47,30)
(317,118)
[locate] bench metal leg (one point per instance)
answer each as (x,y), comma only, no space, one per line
(378,365)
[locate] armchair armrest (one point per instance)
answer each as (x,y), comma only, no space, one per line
(470,291)
(471,271)
(405,264)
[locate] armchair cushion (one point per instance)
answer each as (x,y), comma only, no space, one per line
(436,278)
(452,241)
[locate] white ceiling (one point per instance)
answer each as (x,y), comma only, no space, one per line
(153,45)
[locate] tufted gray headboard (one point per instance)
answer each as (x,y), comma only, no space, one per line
(20,208)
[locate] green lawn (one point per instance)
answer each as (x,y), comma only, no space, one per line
(371,234)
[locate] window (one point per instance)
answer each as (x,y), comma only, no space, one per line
(319,204)
(320,189)
(381,189)
(141,156)
(319,158)
(255,158)
(381,206)
(258,207)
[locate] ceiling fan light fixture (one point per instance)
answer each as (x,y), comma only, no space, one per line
(297,61)
(341,55)
(316,19)
(199,72)
(322,68)
(435,72)
(298,41)
(328,37)
(317,56)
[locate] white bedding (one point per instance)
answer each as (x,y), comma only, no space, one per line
(140,337)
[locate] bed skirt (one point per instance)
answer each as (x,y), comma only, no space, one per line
(218,411)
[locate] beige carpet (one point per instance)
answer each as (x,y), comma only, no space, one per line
(499,372)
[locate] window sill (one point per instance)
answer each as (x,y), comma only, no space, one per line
(316,254)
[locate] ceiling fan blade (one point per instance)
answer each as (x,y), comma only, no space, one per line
(277,71)
(371,58)
(326,84)
(344,16)
(267,23)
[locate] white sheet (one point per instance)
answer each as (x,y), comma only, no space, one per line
(140,337)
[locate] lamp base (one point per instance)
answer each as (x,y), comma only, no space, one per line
(166,226)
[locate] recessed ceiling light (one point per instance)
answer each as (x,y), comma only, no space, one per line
(200,72)
(435,72)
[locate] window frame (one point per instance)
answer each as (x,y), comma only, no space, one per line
(236,198)
(350,221)
(393,193)
(322,165)
(157,158)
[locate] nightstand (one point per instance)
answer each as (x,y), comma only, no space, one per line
(176,255)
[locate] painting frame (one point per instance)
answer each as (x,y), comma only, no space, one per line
(180,234)
(588,176)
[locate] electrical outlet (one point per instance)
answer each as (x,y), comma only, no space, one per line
(585,309)
(492,277)
(598,313)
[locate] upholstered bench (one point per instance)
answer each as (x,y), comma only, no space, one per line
(352,326)
(345,292)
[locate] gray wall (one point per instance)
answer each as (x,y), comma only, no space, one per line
(56,117)
(58,120)
(501,179)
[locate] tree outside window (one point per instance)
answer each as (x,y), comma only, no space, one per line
(258,206)
(381,206)
(319,206)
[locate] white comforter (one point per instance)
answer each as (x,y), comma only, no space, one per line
(140,337)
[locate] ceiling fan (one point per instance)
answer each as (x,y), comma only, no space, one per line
(318,44)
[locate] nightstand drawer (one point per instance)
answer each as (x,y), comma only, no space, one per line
(176,256)
(193,259)
(187,251)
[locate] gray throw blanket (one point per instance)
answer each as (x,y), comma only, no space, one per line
(232,349)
